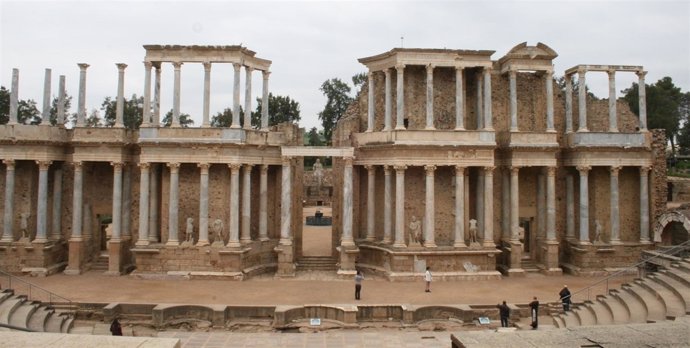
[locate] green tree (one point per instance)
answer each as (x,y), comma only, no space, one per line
(27,112)
(280,109)
(185,120)
(358,81)
(132,111)
(224,118)
(560,82)
(684,133)
(54,107)
(314,137)
(94,119)
(338,97)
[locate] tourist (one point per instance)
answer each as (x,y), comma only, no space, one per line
(565,298)
(427,279)
(534,311)
(504,311)
(358,284)
(116,328)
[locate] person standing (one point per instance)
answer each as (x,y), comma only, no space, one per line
(427,279)
(534,311)
(565,298)
(358,284)
(116,328)
(504,312)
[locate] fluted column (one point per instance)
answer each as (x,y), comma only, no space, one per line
(286,202)
(480,97)
(400,206)
(582,101)
(488,207)
(203,204)
(264,101)
(77,202)
(236,97)
(61,102)
(176,95)
(459,227)
(173,228)
(430,96)
(117,201)
(549,101)
(615,215)
(45,115)
(144,204)
(205,122)
(146,116)
(400,97)
(42,204)
(370,103)
(8,216)
(154,197)
(156,119)
(644,205)
(347,239)
(387,116)
(14,98)
(551,203)
(387,237)
(514,203)
(568,103)
(642,97)
(459,99)
(246,204)
(371,204)
(248,97)
(263,202)
(488,115)
(56,223)
(234,224)
(505,203)
(120,103)
(81,111)
(584,203)
(513,101)
(570,207)
(429,208)
(613,121)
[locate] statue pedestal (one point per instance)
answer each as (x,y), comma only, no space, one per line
(75,258)
(286,261)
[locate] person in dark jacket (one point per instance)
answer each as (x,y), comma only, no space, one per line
(116,328)
(504,311)
(565,298)
(534,312)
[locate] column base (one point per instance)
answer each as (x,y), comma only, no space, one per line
(40,241)
(616,242)
(400,128)
(646,242)
(285,241)
(429,128)
(387,240)
(399,245)
(245,240)
(459,245)
(264,239)
(75,258)
(142,242)
(233,244)
(203,243)
(370,239)
(488,244)
(235,126)
(347,243)
(459,128)
(387,129)
(114,258)
(172,243)
(430,245)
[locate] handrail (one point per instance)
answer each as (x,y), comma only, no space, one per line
(12,327)
(666,252)
(52,297)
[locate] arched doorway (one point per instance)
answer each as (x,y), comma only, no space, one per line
(674,234)
(672,228)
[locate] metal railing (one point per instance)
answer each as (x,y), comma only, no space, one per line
(36,293)
(669,251)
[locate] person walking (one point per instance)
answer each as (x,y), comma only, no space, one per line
(427,279)
(534,311)
(358,284)
(116,328)
(504,312)
(565,298)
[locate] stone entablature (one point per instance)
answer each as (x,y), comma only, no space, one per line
(530,58)
(205,54)
(426,137)
(427,56)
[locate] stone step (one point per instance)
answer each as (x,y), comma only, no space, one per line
(23,313)
(54,322)
(683,265)
(656,308)
(602,312)
(675,306)
(618,311)
(67,325)
(8,307)
(635,307)
(558,322)
(39,318)
(586,316)
(570,319)
(679,274)
(678,288)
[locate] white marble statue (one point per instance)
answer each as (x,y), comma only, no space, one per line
(318,172)
(473,231)
(597,234)
(24,225)
(218,233)
(415,232)
(190,230)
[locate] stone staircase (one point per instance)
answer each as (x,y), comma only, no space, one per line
(100,264)
(659,296)
(529,266)
(316,263)
(18,311)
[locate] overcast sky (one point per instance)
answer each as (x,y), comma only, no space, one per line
(309,42)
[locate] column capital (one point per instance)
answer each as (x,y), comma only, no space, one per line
(248,166)
(459,170)
(264,168)
(248,69)
(615,169)
(611,73)
(644,170)
(515,170)
(512,72)
(78,165)
(266,74)
(430,169)
(460,68)
(387,72)
(286,160)
(487,69)
(207,66)
(234,166)
(550,171)
(121,66)
(386,170)
(399,68)
(236,66)
(177,65)
(147,65)
(581,72)
(117,165)
(44,165)
(144,165)
(400,167)
(203,166)
(548,73)
(174,167)
(489,170)
(371,168)
(348,161)
(568,78)
(9,163)
(641,74)
(82,66)
(583,169)
(430,68)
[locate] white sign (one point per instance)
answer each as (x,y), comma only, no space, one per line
(484,320)
(315,322)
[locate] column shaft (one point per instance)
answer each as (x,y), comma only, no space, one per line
(570,207)
(387,116)
(117,201)
(154,197)
(430,96)
(81,113)
(42,206)
(8,211)
(176,96)
(488,206)
(615,216)
(56,223)
(157,98)
(146,116)
(642,97)
(505,203)
(61,102)
(644,205)
(399,206)
(203,204)
(400,97)
(429,211)
(371,204)
(551,203)
(264,101)
(582,101)
(120,103)
(480,97)
(14,98)
(205,122)
(387,238)
(173,228)
(246,204)
(549,102)
(248,97)
(46,97)
(347,239)
(541,205)
(236,97)
(459,100)
(143,204)
(263,202)
(515,203)
(459,227)
(126,201)
(613,122)
(568,103)
(513,101)
(286,202)
(77,202)
(234,224)
(584,203)
(370,102)
(480,203)
(488,117)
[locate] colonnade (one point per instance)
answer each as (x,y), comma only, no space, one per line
(548,82)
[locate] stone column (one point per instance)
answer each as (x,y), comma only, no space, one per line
(246,204)
(644,205)
(264,102)
(549,101)
(176,95)
(541,205)
(514,204)
(399,206)
(568,103)
(551,203)
(480,98)
(480,203)
(582,101)
(14,98)
(488,117)
(286,202)
(234,224)
(371,204)
(430,96)
(370,103)
(8,216)
(155,184)
(513,101)
(570,207)
(126,201)
(157,97)
(203,204)
(459,227)
(642,94)
(347,239)
(387,237)
(236,97)
(42,204)
(146,116)
(505,203)
(263,202)
(77,202)
(117,201)
(144,204)
(56,223)
(61,102)
(248,97)
(81,111)
(613,121)
(584,203)
(488,206)
(207,97)
(387,116)
(459,100)
(400,97)
(173,229)
(429,208)
(615,215)
(46,97)
(120,103)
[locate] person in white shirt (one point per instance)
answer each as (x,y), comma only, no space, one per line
(427,278)
(358,284)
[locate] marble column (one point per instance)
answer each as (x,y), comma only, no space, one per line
(347,239)
(613,121)
(488,116)
(246,236)
(642,97)
(81,111)
(14,98)
(644,205)
(236,97)
(248,97)
(144,204)
(46,97)
(56,223)
(8,215)
(582,101)
(234,224)
(459,227)
(399,206)
(77,202)
(515,204)
(370,103)
(488,207)
(568,103)
(430,97)
(387,237)
(264,101)
(205,122)
(42,204)
(480,97)
(371,204)
(429,208)
(286,202)
(176,95)
(570,207)
(480,202)
(156,119)
(459,99)
(551,203)
(584,203)
(61,102)
(513,101)
(173,228)
(126,201)
(505,203)
(387,116)
(400,97)
(155,184)
(120,103)
(146,116)
(203,204)
(541,205)
(263,202)
(615,208)
(549,101)
(117,201)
